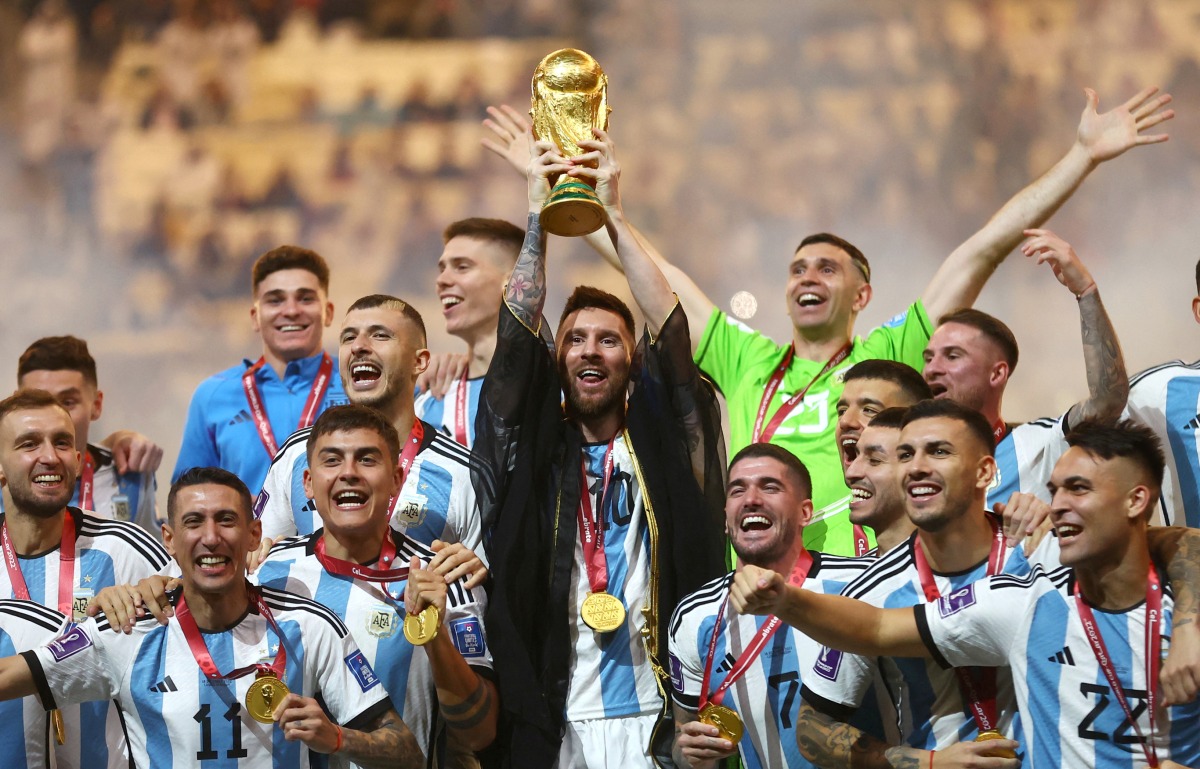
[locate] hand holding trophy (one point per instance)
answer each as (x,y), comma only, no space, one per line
(570,98)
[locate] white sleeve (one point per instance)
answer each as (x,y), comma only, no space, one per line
(978,624)
(274,504)
(687,668)
(464,519)
(77,667)
(349,686)
(464,622)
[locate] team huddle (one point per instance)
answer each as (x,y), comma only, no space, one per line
(536,554)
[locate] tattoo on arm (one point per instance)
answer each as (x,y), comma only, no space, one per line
(1178,551)
(386,743)
(470,712)
(1108,385)
(836,745)
(526,289)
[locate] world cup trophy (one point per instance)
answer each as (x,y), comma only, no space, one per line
(570,97)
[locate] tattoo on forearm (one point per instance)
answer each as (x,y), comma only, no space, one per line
(472,711)
(903,758)
(1177,549)
(835,745)
(526,290)
(1108,385)
(386,743)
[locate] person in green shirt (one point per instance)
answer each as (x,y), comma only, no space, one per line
(829,284)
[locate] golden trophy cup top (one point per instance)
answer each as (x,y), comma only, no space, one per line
(570,97)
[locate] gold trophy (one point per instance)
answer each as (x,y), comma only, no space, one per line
(570,97)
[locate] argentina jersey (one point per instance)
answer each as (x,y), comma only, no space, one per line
(1166,399)
(375,617)
(767,696)
(175,717)
(443,412)
(1071,715)
(1025,457)
(925,705)
(610,672)
(437,500)
(26,741)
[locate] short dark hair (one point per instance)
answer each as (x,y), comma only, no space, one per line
(945,408)
(339,418)
(1198,277)
(371,301)
(289,258)
(495,231)
(588,297)
(27,399)
(851,250)
(203,476)
(58,353)
(1126,439)
(891,418)
(991,327)
(902,375)
(781,455)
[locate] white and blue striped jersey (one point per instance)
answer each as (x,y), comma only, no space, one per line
(1166,399)
(440,411)
(26,741)
(175,717)
(437,500)
(1025,457)
(107,553)
(375,618)
(766,697)
(926,709)
(1069,713)
(610,672)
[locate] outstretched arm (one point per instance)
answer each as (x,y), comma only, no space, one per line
(1101,137)
(1108,384)
(525,292)
(1177,549)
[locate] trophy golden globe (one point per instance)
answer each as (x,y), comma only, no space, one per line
(570,97)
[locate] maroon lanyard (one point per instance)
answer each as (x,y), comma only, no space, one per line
(415,436)
(461,397)
(977,685)
(757,643)
(1153,657)
(191,632)
(591,525)
(350,569)
(763,435)
(258,411)
(87,475)
(66,566)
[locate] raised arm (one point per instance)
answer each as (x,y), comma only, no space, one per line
(1177,549)
(1108,384)
(1101,137)
(525,292)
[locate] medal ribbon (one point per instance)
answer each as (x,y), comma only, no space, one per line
(763,435)
(311,406)
(999,430)
(861,545)
(66,566)
(461,397)
(591,524)
(1153,657)
(366,573)
(977,685)
(195,641)
(754,648)
(415,437)
(87,474)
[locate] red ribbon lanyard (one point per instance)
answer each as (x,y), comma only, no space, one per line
(66,566)
(258,411)
(977,685)
(1153,657)
(191,632)
(999,430)
(754,648)
(415,437)
(762,435)
(861,545)
(350,569)
(87,475)
(461,398)
(591,524)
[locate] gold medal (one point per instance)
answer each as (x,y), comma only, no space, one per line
(992,734)
(727,722)
(421,628)
(602,612)
(60,729)
(263,696)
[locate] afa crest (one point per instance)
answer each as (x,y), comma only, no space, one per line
(383,622)
(410,511)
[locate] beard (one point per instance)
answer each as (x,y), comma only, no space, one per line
(39,507)
(595,405)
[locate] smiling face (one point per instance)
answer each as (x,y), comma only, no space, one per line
(944,470)
(1096,506)
(766,510)
(79,397)
(594,352)
(291,312)
(351,479)
(380,354)
(861,400)
(962,364)
(825,291)
(38,459)
(876,496)
(470,284)
(209,534)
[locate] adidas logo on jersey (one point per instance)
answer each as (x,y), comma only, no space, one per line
(241,416)
(164,686)
(1063,657)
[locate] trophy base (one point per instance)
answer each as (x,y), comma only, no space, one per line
(572,210)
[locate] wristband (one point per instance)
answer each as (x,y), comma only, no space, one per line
(338,747)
